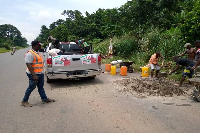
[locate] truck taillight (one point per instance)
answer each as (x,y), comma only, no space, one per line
(99,60)
(49,61)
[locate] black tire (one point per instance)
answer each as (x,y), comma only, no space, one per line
(92,77)
(48,80)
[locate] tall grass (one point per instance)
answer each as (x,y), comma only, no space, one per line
(169,43)
(102,47)
(3,50)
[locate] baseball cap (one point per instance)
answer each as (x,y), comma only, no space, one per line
(187,44)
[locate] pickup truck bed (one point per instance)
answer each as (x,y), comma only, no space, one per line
(74,65)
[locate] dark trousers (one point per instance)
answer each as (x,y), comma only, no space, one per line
(32,86)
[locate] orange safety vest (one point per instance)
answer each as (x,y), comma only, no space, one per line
(37,62)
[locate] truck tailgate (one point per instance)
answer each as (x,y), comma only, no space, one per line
(75,62)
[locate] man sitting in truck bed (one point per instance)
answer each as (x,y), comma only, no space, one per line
(85,47)
(55,48)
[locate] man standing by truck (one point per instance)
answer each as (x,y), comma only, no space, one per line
(34,72)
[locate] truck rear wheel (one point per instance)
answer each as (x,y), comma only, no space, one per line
(92,77)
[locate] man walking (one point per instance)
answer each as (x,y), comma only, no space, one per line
(34,72)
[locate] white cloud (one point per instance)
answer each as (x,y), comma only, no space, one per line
(45,17)
(39,16)
(44,14)
(29,16)
(29,36)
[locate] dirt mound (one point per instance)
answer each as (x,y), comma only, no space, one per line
(161,87)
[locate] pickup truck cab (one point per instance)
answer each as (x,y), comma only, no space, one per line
(71,64)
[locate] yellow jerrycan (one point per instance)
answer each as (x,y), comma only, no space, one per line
(113,70)
(145,71)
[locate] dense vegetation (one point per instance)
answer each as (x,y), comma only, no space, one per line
(139,28)
(10,36)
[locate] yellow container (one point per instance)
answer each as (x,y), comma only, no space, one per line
(145,71)
(108,67)
(123,71)
(113,70)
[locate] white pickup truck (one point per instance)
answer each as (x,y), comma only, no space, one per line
(71,64)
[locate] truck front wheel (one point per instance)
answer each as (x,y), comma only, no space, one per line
(48,80)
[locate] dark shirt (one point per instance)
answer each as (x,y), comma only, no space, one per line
(185,62)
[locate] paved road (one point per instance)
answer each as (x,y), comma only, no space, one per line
(88,106)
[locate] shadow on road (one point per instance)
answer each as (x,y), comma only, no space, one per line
(82,82)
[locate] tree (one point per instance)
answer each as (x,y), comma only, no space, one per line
(191,26)
(44,34)
(11,36)
(61,33)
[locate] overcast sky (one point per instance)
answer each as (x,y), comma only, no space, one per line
(29,15)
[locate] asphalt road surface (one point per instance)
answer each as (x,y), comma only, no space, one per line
(88,106)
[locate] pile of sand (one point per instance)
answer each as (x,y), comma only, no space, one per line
(161,87)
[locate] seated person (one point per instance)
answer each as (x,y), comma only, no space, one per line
(86,47)
(62,51)
(55,50)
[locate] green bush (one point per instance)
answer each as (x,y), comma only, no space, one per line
(125,48)
(150,41)
(6,47)
(102,47)
(171,43)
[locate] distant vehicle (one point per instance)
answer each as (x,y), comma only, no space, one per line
(71,64)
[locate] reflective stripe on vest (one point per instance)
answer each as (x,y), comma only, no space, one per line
(37,64)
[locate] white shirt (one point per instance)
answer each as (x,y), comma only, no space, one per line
(54,51)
